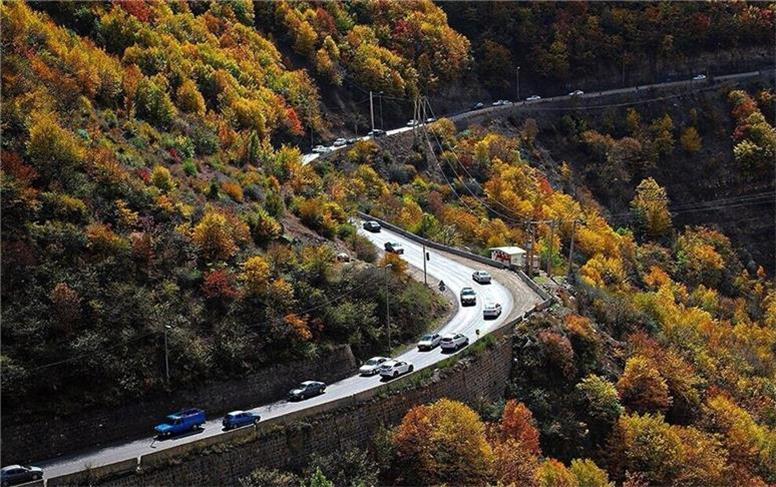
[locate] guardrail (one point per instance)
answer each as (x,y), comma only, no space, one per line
(435,245)
(168,455)
(461,253)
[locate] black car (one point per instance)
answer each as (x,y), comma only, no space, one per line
(377,133)
(468,297)
(372,226)
(394,247)
(306,390)
(18,474)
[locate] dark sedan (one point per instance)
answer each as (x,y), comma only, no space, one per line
(306,390)
(372,226)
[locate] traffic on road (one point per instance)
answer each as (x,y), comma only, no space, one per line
(465,327)
(531,100)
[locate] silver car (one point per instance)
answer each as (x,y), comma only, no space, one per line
(491,310)
(429,342)
(482,277)
(451,343)
(372,366)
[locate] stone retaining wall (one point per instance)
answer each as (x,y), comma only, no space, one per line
(475,380)
(21,443)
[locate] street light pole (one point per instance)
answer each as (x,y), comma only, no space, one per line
(387,306)
(518,84)
(381,110)
(166,355)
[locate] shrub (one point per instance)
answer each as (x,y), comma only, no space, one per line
(264,227)
(189,167)
(66,305)
(162,179)
(552,473)
(364,249)
(190,100)
(213,236)
(153,104)
(255,275)
(642,388)
(104,241)
(276,478)
(234,190)
(691,140)
(351,467)
(51,148)
(589,474)
(219,285)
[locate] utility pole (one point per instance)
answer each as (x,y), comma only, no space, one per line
(549,250)
(531,250)
(425,258)
(571,248)
(518,84)
(310,121)
(387,306)
(371,110)
(166,355)
(381,110)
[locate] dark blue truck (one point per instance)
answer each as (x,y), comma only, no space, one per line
(181,422)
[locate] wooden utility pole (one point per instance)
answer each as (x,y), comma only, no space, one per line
(549,249)
(571,248)
(531,250)
(371,110)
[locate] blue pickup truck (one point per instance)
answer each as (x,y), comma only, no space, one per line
(181,422)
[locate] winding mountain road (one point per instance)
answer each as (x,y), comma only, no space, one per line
(508,290)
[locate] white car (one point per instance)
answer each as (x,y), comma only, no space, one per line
(340,142)
(498,103)
(395,368)
(321,149)
(576,93)
(491,310)
(454,342)
(429,342)
(372,366)
(482,277)
(412,123)
(699,77)
(533,98)
(431,120)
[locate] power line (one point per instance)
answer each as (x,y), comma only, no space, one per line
(79,357)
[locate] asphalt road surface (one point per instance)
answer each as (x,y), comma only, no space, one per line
(456,273)
(693,84)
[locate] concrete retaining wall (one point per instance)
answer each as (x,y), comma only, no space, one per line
(21,443)
(353,421)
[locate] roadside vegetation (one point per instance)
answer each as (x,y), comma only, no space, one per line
(150,179)
(558,43)
(135,199)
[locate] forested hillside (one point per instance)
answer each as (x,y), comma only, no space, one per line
(143,188)
(151,178)
(559,43)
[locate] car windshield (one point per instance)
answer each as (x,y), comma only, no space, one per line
(427,337)
(373,361)
(467,291)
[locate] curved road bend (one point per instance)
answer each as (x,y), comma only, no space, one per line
(308,158)
(514,296)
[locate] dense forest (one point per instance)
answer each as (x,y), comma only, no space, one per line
(151,177)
